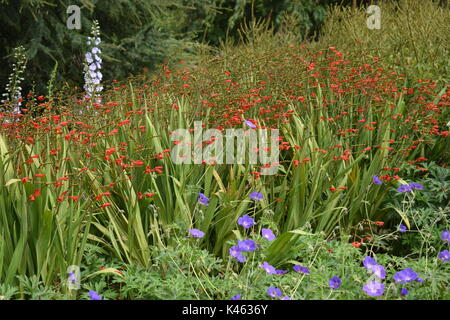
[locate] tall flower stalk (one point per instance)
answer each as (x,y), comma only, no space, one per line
(93,65)
(13,95)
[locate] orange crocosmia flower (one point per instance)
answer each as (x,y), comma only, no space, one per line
(113,132)
(124,122)
(356,244)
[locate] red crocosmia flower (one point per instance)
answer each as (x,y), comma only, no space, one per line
(158,169)
(35,194)
(110,151)
(113,132)
(343,188)
(41,98)
(332,189)
(60,199)
(74,198)
(138,163)
(379,223)
(149,195)
(25,179)
(106,205)
(296,162)
(256,174)
(367,149)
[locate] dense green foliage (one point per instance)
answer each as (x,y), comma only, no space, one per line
(94,184)
(136,34)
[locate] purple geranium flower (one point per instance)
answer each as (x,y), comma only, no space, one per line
(286,298)
(379,271)
(256,196)
(334,283)
(250,124)
(404,188)
(268,268)
(280,271)
(94,295)
(235,252)
(299,268)
(402,228)
(236,297)
(405,276)
(376,180)
(274,292)
(444,256)
(403,292)
(445,236)
(197,233)
(374,288)
(268,234)
(369,263)
(202,199)
(247,245)
(246,221)
(417,186)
